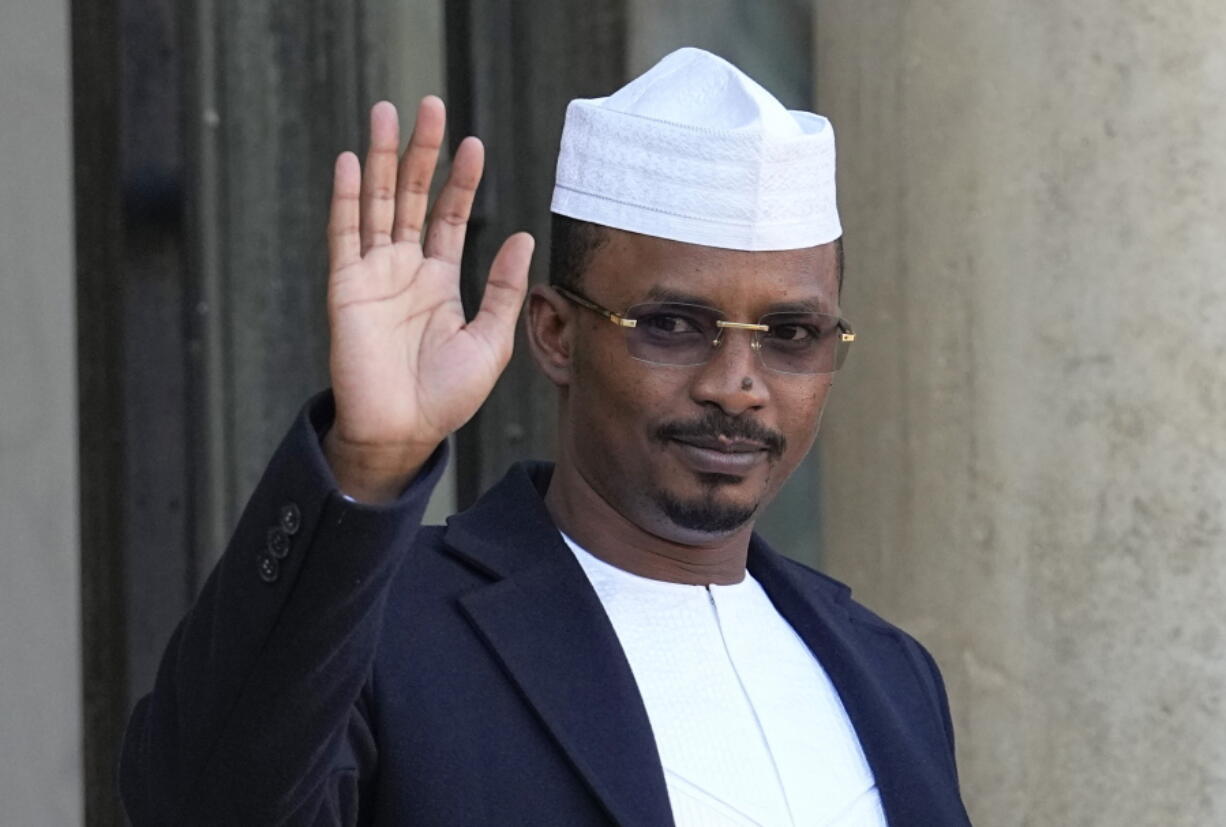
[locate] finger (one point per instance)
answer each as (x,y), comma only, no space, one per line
(344,244)
(449,218)
(504,294)
(417,170)
(379,177)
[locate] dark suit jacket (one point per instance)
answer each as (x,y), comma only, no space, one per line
(344,666)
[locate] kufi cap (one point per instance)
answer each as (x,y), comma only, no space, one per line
(695,150)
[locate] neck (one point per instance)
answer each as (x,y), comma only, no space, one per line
(592,522)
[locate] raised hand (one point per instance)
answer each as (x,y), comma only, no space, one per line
(407,370)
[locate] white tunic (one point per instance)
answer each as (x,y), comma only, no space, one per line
(749,728)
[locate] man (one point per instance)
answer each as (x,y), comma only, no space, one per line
(598,641)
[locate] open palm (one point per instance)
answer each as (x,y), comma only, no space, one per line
(407,369)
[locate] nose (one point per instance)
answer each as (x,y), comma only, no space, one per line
(721,381)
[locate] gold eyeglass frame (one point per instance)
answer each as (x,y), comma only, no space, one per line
(846,335)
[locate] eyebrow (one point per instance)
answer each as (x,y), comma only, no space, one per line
(815,304)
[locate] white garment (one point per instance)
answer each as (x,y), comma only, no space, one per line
(749,728)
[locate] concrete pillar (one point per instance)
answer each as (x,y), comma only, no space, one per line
(40,649)
(1026,457)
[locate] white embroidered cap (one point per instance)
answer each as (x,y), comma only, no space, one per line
(695,150)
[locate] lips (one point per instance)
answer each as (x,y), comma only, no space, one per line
(716,455)
(724,444)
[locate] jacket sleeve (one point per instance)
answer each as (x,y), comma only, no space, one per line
(927,667)
(256,715)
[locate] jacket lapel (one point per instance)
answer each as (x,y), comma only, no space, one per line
(914,785)
(544,623)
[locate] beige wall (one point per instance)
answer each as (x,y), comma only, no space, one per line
(40,707)
(1027,455)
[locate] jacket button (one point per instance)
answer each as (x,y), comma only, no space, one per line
(278,543)
(269,568)
(291,519)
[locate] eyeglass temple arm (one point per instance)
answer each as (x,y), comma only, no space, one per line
(620,321)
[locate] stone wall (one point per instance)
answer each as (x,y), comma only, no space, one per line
(1026,457)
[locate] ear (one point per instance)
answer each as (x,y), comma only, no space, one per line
(550,322)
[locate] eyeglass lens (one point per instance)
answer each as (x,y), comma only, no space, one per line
(670,333)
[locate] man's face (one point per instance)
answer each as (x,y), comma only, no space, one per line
(692,453)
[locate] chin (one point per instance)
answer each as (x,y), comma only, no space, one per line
(704,517)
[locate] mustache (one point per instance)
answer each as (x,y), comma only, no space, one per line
(715,424)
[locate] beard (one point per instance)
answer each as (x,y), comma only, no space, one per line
(705,514)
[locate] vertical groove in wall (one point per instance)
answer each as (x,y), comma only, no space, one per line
(95,64)
(207,407)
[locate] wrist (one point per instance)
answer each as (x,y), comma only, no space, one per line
(371,473)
